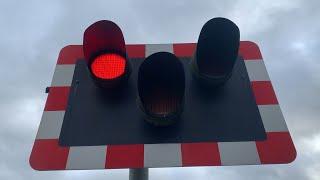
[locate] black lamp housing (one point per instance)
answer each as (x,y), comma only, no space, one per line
(216,52)
(161,87)
(105,37)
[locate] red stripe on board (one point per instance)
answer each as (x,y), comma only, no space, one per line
(278,148)
(263,92)
(125,156)
(70,54)
(48,155)
(136,50)
(57,99)
(184,49)
(200,154)
(249,50)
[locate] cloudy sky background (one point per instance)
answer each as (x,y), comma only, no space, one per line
(33,32)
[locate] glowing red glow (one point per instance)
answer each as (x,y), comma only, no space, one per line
(108,66)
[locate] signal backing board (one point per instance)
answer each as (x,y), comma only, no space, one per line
(50,152)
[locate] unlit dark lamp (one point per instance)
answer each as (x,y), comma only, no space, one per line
(161,86)
(216,52)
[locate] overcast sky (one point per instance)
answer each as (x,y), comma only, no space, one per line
(33,32)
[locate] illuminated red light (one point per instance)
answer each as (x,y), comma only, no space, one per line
(108,66)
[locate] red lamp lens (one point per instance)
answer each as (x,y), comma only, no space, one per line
(108,66)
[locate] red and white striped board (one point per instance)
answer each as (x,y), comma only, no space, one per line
(48,155)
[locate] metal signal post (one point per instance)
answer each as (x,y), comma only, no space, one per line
(139,174)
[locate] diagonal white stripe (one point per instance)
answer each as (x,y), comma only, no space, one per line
(238,153)
(50,125)
(153,48)
(257,70)
(86,157)
(63,75)
(272,118)
(162,155)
